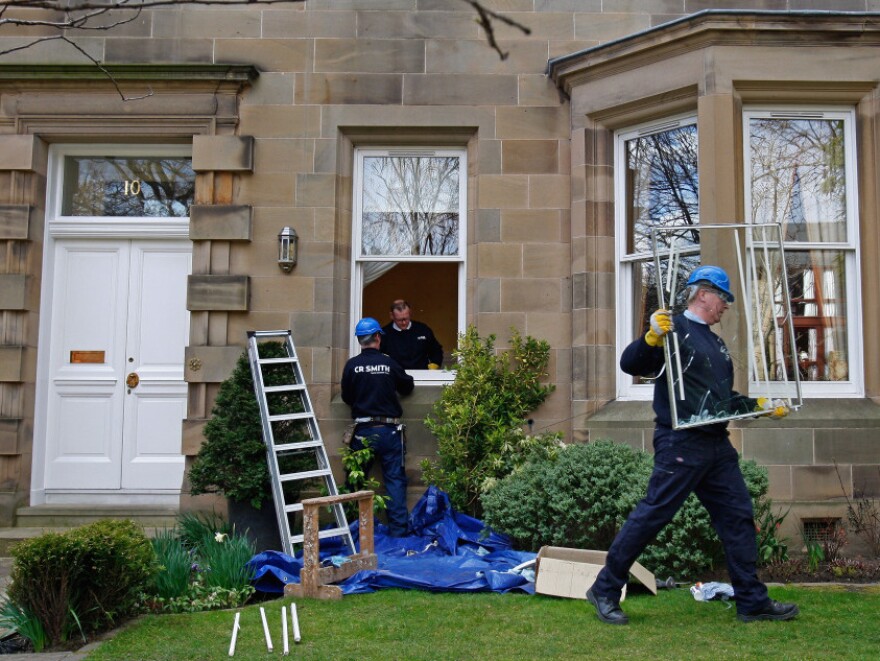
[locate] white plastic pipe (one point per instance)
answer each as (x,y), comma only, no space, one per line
(266,628)
(286,649)
(235,627)
(295,620)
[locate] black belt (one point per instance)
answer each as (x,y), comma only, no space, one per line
(379,419)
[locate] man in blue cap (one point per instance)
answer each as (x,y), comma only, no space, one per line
(698,459)
(371,383)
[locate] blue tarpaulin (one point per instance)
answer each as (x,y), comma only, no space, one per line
(446,551)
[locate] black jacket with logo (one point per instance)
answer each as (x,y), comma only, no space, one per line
(371,382)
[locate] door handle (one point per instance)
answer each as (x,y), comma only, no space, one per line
(132,380)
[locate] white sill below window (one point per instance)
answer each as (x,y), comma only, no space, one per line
(432,377)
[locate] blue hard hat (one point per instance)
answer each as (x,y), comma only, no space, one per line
(715,276)
(367,326)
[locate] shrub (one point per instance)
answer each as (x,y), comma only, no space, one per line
(232,460)
(86,579)
(582,497)
(478,419)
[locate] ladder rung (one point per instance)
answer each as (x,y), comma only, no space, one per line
(271,333)
(302,445)
(322,534)
(291,416)
(293,383)
(284,388)
(305,475)
(276,361)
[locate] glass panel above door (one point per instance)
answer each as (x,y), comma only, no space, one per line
(120,186)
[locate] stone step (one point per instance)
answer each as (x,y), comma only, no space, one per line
(38,519)
(72,516)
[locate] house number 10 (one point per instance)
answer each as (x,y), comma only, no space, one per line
(133,187)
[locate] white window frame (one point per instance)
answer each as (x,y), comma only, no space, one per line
(625,312)
(854,387)
(422,377)
(108,226)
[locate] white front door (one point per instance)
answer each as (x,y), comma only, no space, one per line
(116,394)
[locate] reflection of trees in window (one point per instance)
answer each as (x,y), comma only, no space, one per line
(663,185)
(662,191)
(798,176)
(410,205)
(128,187)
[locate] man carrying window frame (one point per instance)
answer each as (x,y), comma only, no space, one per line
(697,459)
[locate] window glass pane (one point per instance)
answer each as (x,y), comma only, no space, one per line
(410,205)
(127,187)
(798,177)
(661,184)
(817,285)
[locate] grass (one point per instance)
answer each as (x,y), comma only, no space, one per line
(835,623)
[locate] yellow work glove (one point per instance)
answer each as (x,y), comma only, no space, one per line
(433,366)
(661,323)
(775,408)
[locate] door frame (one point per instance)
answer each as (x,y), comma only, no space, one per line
(86,227)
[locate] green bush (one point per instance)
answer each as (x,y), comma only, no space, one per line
(479,417)
(581,498)
(84,580)
(232,460)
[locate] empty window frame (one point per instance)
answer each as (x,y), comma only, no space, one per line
(656,185)
(699,391)
(409,240)
(800,171)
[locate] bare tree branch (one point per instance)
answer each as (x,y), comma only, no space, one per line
(67,16)
(487,16)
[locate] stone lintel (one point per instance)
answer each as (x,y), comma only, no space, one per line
(13,291)
(224,153)
(218,292)
(221,222)
(17,152)
(14,221)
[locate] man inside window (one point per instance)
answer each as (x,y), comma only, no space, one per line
(410,343)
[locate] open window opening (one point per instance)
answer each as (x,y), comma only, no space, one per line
(409,229)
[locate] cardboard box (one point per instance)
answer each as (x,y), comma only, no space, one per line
(563,572)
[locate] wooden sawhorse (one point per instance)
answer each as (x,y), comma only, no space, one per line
(315,580)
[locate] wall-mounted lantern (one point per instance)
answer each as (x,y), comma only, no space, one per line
(288,249)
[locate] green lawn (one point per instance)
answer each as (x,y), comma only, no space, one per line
(835,623)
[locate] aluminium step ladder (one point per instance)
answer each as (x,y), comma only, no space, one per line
(295,450)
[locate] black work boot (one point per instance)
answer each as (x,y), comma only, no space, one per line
(772,611)
(607,611)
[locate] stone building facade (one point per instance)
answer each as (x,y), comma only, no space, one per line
(280,108)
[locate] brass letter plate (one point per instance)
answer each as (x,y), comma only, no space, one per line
(86,356)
